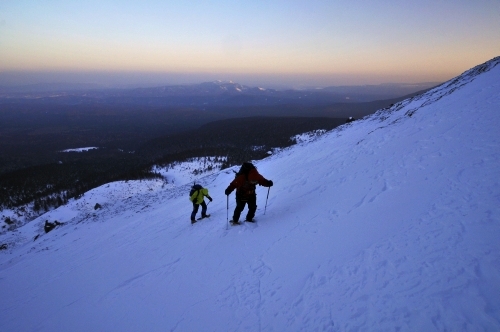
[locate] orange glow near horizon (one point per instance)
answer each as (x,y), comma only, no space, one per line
(329,44)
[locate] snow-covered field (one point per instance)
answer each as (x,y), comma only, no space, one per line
(309,136)
(390,223)
(189,171)
(81,149)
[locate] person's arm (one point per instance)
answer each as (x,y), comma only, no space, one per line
(263,181)
(205,193)
(233,185)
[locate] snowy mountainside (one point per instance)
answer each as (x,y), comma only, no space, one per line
(189,171)
(387,223)
(308,137)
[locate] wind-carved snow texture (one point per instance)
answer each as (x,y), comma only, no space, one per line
(386,223)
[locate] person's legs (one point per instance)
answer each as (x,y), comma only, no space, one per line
(203,209)
(252,207)
(195,210)
(240,205)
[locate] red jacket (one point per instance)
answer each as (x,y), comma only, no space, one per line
(245,185)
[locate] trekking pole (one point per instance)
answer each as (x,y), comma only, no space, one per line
(268,189)
(227,213)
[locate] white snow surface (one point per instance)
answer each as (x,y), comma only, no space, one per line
(189,171)
(389,223)
(308,137)
(81,149)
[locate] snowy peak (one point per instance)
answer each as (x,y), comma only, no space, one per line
(215,88)
(223,87)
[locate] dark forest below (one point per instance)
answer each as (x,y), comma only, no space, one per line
(132,138)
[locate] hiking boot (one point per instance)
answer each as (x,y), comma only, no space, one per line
(193,221)
(232,222)
(249,220)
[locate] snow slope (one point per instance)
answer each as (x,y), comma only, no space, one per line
(388,223)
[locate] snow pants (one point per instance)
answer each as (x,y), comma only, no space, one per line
(240,205)
(195,209)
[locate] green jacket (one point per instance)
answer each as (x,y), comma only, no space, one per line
(199,195)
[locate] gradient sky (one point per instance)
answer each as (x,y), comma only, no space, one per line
(313,42)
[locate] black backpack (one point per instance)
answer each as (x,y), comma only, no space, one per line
(245,168)
(248,189)
(194,188)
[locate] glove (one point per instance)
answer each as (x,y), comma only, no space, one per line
(210,198)
(270,183)
(227,191)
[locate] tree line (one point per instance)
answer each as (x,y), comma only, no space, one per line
(236,140)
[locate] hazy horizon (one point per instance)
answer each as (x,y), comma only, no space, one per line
(133,80)
(274,43)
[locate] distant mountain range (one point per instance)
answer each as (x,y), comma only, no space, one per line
(208,94)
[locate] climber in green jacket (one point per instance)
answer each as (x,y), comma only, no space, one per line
(197,195)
